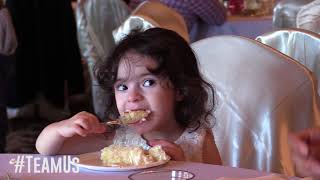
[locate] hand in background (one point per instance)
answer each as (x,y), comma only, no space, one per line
(173,150)
(305,151)
(82,124)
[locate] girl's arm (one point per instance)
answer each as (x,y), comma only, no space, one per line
(79,134)
(210,151)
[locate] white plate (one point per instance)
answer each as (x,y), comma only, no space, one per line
(92,161)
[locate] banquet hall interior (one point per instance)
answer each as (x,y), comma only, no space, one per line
(262,57)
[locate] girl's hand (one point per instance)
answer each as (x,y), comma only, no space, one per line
(305,150)
(82,124)
(172,149)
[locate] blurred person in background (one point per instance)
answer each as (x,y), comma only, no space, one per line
(8,44)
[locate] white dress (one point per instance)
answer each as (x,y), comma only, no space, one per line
(190,142)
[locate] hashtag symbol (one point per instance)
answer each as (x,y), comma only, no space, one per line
(19,164)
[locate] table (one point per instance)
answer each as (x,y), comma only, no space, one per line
(246,26)
(202,171)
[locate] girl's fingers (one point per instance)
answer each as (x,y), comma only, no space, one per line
(90,123)
(172,149)
(98,128)
(80,131)
(83,123)
(89,115)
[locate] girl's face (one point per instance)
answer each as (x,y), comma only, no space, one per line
(138,89)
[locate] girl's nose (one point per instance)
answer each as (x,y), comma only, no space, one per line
(134,95)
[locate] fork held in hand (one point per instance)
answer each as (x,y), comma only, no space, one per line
(114,122)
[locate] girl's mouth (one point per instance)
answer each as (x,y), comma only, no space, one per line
(135,116)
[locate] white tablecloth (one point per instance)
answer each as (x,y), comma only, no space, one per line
(201,171)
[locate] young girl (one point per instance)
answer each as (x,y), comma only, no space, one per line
(155,70)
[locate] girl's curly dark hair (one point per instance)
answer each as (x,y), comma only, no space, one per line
(176,61)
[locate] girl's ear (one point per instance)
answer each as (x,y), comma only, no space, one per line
(179,95)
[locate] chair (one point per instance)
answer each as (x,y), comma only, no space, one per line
(309,17)
(299,44)
(261,96)
(96,19)
(153,14)
(285,12)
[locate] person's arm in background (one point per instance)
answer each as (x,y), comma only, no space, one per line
(210,11)
(305,152)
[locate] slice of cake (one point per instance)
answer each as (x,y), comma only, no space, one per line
(116,155)
(134,116)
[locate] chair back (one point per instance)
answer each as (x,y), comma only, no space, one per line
(153,14)
(96,19)
(308,17)
(299,44)
(261,96)
(285,13)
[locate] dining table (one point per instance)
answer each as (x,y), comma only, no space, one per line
(38,167)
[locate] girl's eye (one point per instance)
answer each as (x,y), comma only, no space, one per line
(148,82)
(121,87)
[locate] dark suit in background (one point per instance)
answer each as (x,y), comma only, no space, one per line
(47,53)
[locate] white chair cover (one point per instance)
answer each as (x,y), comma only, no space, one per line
(261,96)
(153,14)
(285,13)
(96,20)
(309,17)
(301,45)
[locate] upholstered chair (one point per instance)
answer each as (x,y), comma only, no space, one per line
(261,96)
(285,13)
(96,19)
(308,17)
(153,14)
(301,45)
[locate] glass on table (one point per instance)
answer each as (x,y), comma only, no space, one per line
(168,174)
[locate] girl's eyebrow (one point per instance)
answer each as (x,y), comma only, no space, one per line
(146,74)
(140,75)
(120,80)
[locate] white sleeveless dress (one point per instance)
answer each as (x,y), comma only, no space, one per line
(191,143)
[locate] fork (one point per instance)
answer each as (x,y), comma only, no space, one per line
(114,122)
(122,120)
